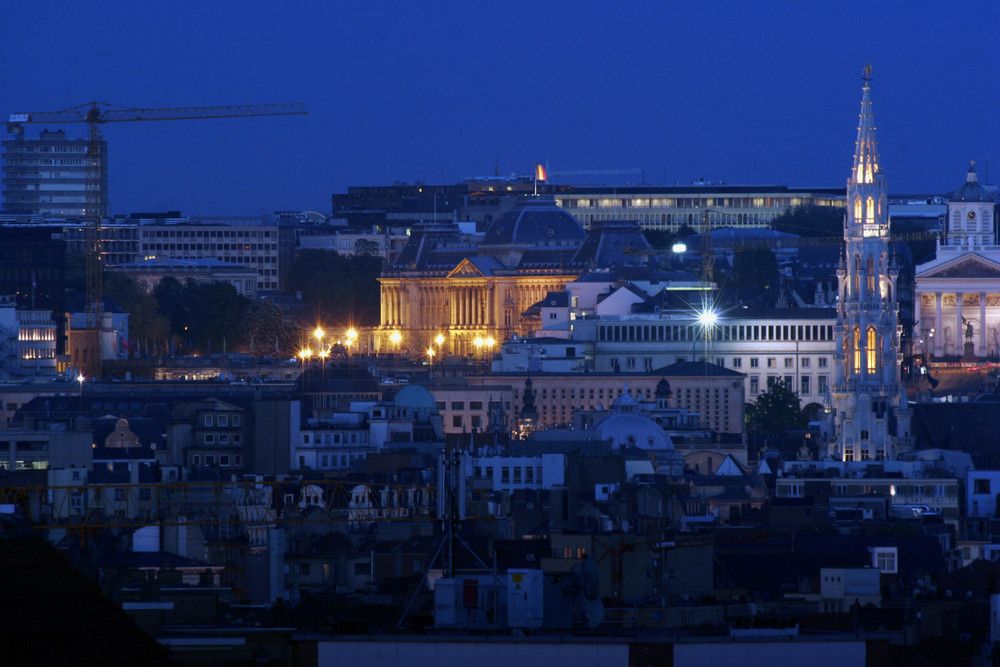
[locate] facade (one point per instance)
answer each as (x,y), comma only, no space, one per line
(248,243)
(958,292)
(148,273)
(669,208)
(794,345)
(442,285)
(872,417)
(662,207)
(47,176)
(716,394)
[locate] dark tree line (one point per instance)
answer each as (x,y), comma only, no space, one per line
(338,289)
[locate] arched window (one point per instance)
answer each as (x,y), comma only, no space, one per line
(861,172)
(857,209)
(857,276)
(871,349)
(856,349)
(870,211)
(871,276)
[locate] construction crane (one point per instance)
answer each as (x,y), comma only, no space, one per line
(94,114)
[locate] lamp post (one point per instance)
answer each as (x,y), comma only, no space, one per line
(707,318)
(352,337)
(81,379)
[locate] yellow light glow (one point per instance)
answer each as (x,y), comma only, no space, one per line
(80,378)
(318,333)
(490,342)
(323,354)
(306,354)
(396,337)
(430,352)
(439,339)
(478,342)
(352,335)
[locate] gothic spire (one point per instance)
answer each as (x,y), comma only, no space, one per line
(866,148)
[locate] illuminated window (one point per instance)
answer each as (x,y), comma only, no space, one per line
(857,208)
(871,345)
(871,276)
(856,349)
(870,212)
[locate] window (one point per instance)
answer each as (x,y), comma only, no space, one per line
(517,474)
(754,384)
(456,421)
(737,362)
(505,475)
(223,420)
(210,437)
(871,348)
(822,384)
(772,362)
(789,362)
(196,460)
(804,362)
(754,362)
(475,405)
(223,460)
(981,486)
(209,460)
(529,475)
(804,385)
(236,420)
(884,559)
(209,420)
(458,405)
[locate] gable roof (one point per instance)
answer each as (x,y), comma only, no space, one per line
(968,265)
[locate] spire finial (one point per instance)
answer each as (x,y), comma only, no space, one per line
(866,74)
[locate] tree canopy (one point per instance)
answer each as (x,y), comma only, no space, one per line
(338,288)
(811,221)
(775,410)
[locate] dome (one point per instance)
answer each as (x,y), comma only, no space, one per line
(971,190)
(534,221)
(416,398)
(663,388)
(629,430)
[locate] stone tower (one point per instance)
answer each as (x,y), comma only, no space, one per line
(871,415)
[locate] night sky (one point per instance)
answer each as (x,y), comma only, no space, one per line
(439,91)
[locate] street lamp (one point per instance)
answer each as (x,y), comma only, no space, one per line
(352,337)
(81,379)
(708,318)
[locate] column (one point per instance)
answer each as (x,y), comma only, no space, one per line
(981,352)
(938,328)
(959,329)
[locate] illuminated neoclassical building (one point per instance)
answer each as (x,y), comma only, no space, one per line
(958,292)
(443,293)
(871,419)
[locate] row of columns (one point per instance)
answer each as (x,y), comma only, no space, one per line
(469,307)
(936,345)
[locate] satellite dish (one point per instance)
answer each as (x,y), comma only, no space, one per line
(590,612)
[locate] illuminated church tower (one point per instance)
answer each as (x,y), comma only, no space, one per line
(871,416)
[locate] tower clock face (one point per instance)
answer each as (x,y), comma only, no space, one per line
(971,216)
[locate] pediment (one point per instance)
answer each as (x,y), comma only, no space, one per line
(967,266)
(466,269)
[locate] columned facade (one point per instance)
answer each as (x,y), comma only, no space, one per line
(871,419)
(958,292)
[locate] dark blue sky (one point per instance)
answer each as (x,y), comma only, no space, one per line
(437,91)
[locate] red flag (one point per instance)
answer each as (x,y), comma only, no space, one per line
(540,172)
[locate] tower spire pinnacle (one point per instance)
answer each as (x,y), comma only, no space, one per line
(866,148)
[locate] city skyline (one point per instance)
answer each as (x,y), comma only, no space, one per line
(685,91)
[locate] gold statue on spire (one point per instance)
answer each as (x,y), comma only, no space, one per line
(867,73)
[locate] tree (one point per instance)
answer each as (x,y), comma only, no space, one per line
(266,332)
(146,324)
(755,268)
(775,410)
(340,289)
(811,221)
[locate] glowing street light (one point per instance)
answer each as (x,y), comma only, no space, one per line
(707,318)
(319,333)
(439,339)
(81,379)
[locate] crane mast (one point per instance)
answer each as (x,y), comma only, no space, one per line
(94,114)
